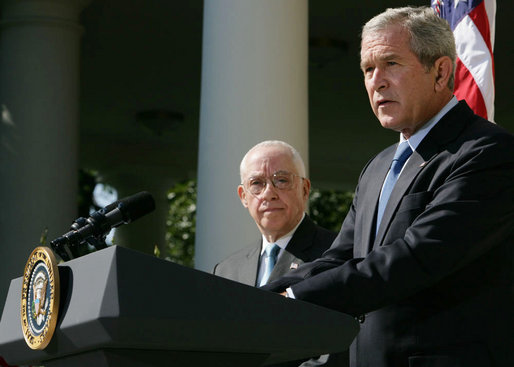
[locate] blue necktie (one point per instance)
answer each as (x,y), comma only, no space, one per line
(271,253)
(403,152)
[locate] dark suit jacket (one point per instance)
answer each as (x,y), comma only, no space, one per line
(307,244)
(435,286)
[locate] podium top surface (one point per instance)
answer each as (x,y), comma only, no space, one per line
(120,298)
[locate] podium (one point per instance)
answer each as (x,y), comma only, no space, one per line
(120,307)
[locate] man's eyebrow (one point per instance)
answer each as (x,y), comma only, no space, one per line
(390,56)
(253,175)
(364,65)
(386,57)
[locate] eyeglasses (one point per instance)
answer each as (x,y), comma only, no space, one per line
(279,180)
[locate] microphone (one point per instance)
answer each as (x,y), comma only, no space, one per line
(94,229)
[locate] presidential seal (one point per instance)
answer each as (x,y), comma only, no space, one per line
(40,298)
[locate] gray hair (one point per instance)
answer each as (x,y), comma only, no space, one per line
(430,36)
(295,156)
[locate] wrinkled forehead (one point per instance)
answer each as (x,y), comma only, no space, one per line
(392,35)
(267,161)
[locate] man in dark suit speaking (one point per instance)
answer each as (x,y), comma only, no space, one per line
(274,188)
(425,256)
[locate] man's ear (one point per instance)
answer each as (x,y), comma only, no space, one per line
(242,195)
(306,188)
(443,68)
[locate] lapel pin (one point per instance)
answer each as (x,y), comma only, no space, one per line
(293,266)
(423,164)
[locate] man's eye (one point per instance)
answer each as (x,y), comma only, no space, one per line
(281,181)
(368,71)
(256,182)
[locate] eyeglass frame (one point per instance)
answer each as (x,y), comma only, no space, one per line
(269,178)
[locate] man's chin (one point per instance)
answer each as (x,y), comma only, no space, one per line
(273,227)
(389,123)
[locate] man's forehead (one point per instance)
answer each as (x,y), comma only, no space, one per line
(270,154)
(264,160)
(393,35)
(259,173)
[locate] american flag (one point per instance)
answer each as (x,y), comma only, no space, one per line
(472,23)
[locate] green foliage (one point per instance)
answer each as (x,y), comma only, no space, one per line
(181,223)
(327,208)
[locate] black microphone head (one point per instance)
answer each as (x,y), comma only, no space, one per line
(137,205)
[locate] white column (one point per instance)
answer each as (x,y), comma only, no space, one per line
(254,88)
(39,84)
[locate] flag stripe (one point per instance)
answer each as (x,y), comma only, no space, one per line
(466,88)
(479,17)
(490,8)
(476,57)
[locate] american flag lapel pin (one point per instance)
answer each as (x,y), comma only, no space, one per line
(293,266)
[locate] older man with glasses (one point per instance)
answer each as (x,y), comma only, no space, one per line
(274,188)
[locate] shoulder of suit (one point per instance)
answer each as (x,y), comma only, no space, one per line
(240,254)
(488,130)
(317,230)
(479,136)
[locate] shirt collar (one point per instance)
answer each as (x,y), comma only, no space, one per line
(282,241)
(416,139)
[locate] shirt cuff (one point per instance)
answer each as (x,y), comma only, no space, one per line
(290,293)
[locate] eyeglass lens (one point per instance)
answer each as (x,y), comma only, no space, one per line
(281,181)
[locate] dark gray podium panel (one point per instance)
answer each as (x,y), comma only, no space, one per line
(152,358)
(121,307)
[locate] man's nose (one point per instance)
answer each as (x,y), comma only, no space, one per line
(378,79)
(270,191)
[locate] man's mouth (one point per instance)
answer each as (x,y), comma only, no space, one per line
(383,102)
(271,210)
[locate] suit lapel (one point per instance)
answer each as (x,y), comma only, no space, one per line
(302,239)
(248,270)
(447,129)
(370,198)
(412,168)
(283,265)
